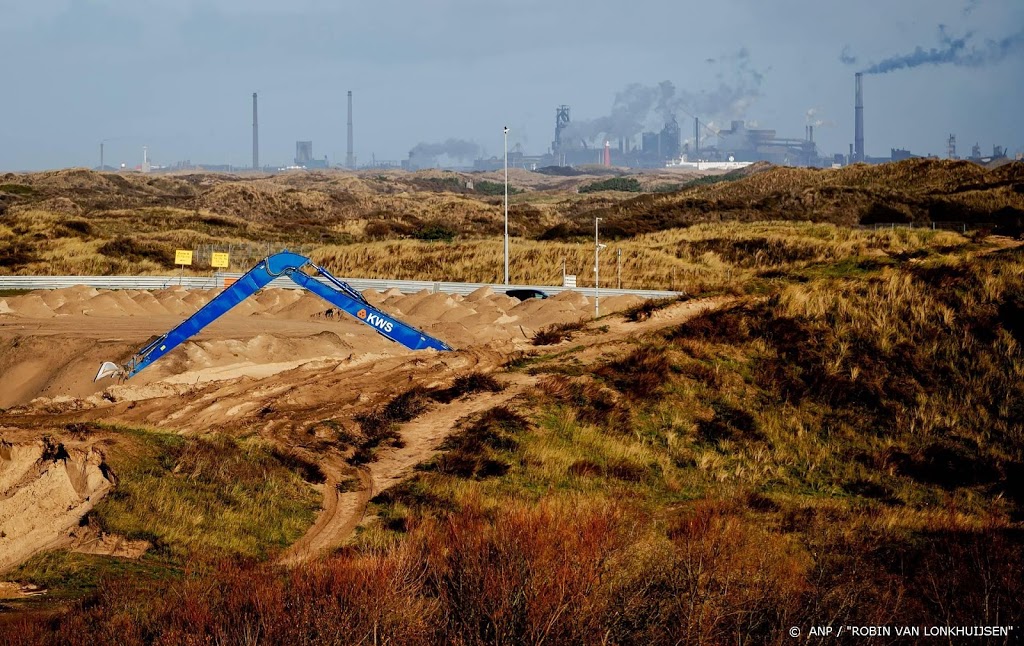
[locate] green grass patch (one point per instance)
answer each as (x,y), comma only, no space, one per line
(626,184)
(204,497)
(17,189)
(68,575)
(484,187)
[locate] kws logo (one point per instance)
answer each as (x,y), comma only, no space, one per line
(376,321)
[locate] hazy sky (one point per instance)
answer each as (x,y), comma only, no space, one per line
(178,76)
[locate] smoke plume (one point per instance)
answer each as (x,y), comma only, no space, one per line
(847,58)
(452,148)
(814,118)
(951,51)
(638,107)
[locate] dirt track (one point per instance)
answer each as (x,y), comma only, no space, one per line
(276,367)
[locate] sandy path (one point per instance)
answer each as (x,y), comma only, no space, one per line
(338,518)
(343,512)
(427,432)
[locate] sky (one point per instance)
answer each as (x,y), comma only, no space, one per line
(178,76)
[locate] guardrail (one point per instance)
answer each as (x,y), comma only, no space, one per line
(218,280)
(109,282)
(962,227)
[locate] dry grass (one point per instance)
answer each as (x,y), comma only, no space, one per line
(368,226)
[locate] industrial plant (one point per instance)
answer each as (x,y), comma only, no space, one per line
(706,147)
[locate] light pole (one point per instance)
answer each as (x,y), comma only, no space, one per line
(597,268)
(506,205)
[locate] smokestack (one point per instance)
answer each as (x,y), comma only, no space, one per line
(350,159)
(696,137)
(255,135)
(810,133)
(607,153)
(858,132)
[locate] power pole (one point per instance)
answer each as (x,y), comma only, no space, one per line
(255,136)
(506,205)
(618,266)
(597,269)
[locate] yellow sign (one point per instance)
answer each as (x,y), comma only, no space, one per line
(219,259)
(182,257)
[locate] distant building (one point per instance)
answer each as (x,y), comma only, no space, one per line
(304,156)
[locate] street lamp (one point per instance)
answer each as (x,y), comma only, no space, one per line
(506,205)
(597,268)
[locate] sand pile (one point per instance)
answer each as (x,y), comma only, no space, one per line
(276,330)
(45,489)
(481,315)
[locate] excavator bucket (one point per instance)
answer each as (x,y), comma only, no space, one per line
(108,369)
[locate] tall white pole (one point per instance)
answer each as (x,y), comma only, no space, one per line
(506,205)
(597,270)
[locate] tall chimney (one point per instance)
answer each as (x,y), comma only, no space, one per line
(255,136)
(696,137)
(810,133)
(858,132)
(350,159)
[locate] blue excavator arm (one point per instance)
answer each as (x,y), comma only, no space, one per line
(288,264)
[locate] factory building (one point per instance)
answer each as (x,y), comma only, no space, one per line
(657,149)
(304,156)
(741,143)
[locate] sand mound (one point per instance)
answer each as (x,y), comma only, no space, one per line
(45,489)
(479,294)
(570,296)
(430,307)
(31,305)
(619,303)
(374,297)
(283,337)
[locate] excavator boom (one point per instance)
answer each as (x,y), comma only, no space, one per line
(288,264)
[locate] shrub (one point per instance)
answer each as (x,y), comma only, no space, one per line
(133,250)
(15,254)
(17,189)
(485,187)
(305,469)
(474,382)
(641,374)
(627,184)
(380,425)
(476,451)
(592,403)
(557,333)
(433,231)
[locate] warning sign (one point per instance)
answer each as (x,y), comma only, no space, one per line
(183,257)
(219,259)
